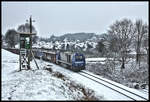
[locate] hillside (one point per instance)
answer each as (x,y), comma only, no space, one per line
(74,36)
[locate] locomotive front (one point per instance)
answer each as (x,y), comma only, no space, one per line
(78,62)
(74,61)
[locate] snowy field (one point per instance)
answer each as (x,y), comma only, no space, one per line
(95,60)
(43,85)
(37,84)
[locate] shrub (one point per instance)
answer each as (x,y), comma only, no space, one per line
(49,69)
(59,75)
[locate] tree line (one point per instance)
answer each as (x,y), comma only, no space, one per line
(122,37)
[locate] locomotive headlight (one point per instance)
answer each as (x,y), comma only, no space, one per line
(79,63)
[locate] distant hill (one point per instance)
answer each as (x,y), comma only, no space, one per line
(74,36)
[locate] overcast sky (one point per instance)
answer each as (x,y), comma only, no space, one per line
(58,18)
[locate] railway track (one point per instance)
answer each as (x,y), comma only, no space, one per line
(145,91)
(121,90)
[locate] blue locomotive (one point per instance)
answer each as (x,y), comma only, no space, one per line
(74,61)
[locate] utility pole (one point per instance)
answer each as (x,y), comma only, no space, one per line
(29,52)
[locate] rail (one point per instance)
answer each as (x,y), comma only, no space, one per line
(86,74)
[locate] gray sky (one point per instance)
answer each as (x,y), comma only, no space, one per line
(69,17)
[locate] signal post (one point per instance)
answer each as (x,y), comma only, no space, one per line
(25,40)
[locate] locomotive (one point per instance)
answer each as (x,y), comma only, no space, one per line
(73,61)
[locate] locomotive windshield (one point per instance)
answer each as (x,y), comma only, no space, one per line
(79,58)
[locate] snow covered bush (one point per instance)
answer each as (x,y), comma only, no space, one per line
(99,69)
(87,94)
(58,75)
(49,69)
(132,76)
(80,92)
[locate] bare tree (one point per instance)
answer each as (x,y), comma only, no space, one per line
(141,30)
(11,37)
(35,38)
(123,32)
(26,28)
(101,48)
(145,43)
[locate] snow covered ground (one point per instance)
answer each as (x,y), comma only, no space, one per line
(43,85)
(95,60)
(36,84)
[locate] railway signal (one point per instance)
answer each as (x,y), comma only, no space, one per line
(25,51)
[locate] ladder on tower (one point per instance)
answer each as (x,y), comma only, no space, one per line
(23,58)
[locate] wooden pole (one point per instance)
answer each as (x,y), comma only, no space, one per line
(19,55)
(34,60)
(29,52)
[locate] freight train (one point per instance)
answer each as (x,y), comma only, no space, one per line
(74,61)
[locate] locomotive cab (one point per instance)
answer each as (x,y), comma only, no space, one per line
(78,62)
